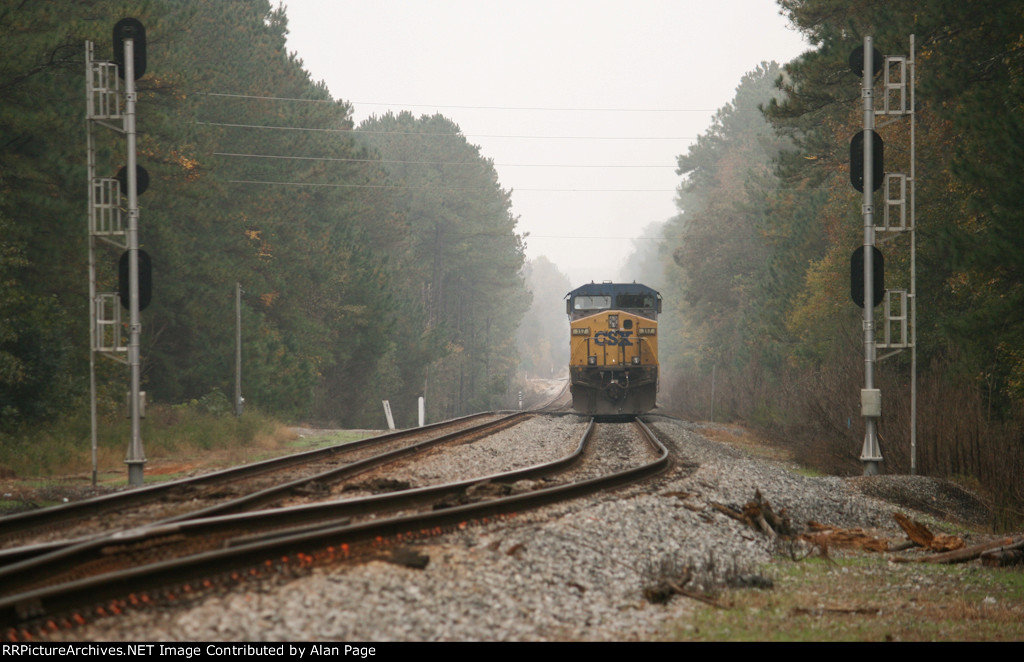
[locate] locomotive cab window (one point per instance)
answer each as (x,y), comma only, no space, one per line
(645,302)
(634,301)
(599,302)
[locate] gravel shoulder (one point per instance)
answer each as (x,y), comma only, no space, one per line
(586,571)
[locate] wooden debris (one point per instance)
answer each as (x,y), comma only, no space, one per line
(729,511)
(1006,555)
(920,534)
(693,595)
(952,549)
(964,554)
(682,496)
(759,514)
(661,590)
(824,537)
(671,578)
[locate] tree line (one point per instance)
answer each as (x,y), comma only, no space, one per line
(756,263)
(377,261)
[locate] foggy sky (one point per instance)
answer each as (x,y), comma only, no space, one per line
(583,105)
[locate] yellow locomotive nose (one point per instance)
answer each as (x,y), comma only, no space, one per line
(613,361)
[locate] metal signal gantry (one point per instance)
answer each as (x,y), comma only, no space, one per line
(115,222)
(867,175)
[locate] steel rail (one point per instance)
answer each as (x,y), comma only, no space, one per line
(254,557)
(23,523)
(232,529)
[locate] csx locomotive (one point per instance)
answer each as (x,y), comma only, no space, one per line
(613,348)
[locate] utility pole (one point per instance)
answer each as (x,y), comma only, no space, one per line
(238,350)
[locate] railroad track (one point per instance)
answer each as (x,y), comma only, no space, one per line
(168,561)
(559,401)
(237,489)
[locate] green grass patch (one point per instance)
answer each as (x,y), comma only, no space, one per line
(808,472)
(332,438)
(866,598)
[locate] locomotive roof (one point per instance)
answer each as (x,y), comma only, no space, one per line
(612,289)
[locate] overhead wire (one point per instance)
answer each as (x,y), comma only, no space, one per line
(469,107)
(363,132)
(434,187)
(433,163)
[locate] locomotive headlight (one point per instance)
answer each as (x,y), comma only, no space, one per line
(636,360)
(581,331)
(591,360)
(613,321)
(648,330)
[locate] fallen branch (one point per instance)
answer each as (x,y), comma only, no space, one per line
(727,510)
(706,599)
(962,555)
(826,537)
(661,590)
(1006,555)
(920,534)
(759,514)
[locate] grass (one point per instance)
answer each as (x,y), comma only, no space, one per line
(866,598)
(757,446)
(176,440)
(329,439)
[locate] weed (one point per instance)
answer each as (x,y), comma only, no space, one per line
(703,579)
(866,598)
(169,433)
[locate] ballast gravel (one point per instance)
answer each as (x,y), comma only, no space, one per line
(574,571)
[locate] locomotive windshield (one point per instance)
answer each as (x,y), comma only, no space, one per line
(596,297)
(634,301)
(592,302)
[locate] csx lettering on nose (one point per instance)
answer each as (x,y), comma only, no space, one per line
(620,338)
